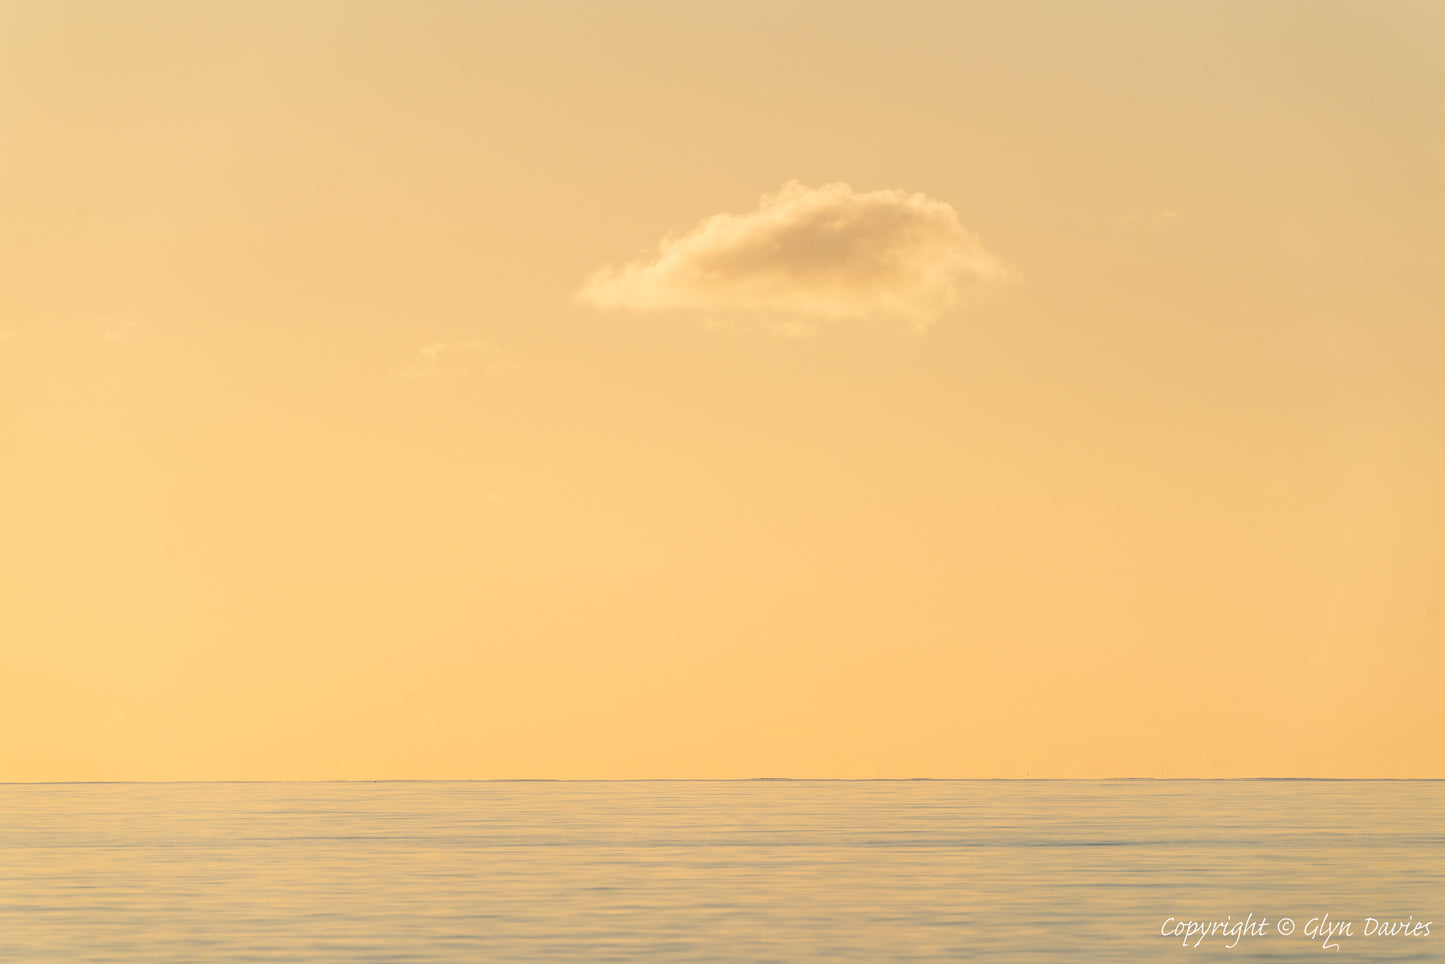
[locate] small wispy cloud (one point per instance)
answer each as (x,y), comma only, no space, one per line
(9,334)
(116,330)
(1149,221)
(808,257)
(452,359)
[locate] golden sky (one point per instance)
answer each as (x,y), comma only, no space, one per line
(445,389)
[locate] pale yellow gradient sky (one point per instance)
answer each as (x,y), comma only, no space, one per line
(317,462)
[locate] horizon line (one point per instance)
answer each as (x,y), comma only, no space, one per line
(35,783)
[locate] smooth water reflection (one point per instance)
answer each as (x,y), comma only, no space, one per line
(718,871)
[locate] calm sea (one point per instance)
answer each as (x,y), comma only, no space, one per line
(717,871)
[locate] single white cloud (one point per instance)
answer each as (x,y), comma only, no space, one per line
(451,359)
(808,257)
